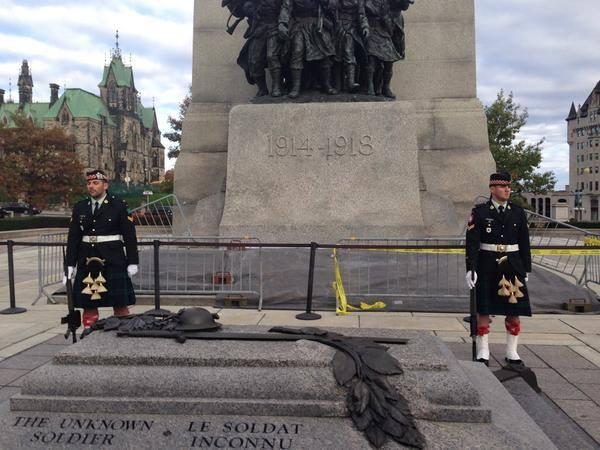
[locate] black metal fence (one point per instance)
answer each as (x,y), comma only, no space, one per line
(155,245)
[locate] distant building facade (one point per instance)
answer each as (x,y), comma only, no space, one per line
(558,205)
(583,136)
(113,131)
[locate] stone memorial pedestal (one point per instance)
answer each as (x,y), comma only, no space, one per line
(322,170)
(111,392)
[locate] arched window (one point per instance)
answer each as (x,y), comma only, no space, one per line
(533,204)
(548,208)
(113,96)
(64,118)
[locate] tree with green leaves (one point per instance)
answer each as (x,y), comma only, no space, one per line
(176,124)
(38,164)
(505,118)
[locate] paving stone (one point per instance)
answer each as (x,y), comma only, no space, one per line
(8,392)
(561,357)
(592,427)
(461,351)
(588,325)
(556,387)
(25,362)
(18,382)
(593,340)
(59,340)
(588,353)
(592,391)
(43,350)
(580,409)
(585,376)
(9,375)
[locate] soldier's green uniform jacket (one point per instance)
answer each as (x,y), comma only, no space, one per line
(487,226)
(112,219)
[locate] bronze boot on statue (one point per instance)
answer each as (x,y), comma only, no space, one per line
(261,83)
(326,80)
(352,85)
(387,78)
(276,83)
(296,78)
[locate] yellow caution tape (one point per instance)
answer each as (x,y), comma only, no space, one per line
(342,306)
(591,240)
(461,251)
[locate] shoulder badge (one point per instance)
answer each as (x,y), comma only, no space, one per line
(471,222)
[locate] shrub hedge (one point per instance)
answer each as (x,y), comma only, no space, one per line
(27,223)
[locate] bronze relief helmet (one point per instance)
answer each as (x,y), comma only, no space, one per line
(197,319)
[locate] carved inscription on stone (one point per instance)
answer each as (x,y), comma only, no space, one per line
(234,434)
(115,432)
(343,146)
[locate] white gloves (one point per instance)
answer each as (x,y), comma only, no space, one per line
(71,271)
(132,269)
(471,279)
(526,277)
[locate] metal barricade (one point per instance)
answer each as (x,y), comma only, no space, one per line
(401,273)
(50,263)
(157,217)
(193,270)
(544,231)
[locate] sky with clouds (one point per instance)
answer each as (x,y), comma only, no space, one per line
(545,51)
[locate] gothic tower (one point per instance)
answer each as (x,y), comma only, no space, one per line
(25,84)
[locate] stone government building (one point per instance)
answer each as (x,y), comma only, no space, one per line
(113,131)
(580,199)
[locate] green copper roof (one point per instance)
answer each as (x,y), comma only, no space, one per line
(81,104)
(37,111)
(147,116)
(123,75)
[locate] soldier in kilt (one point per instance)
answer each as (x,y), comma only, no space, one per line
(498,260)
(99,227)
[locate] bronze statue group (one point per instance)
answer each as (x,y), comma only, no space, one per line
(328,45)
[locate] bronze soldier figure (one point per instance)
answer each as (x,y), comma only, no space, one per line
(265,45)
(351,28)
(263,48)
(498,261)
(380,47)
(398,35)
(99,227)
(309,26)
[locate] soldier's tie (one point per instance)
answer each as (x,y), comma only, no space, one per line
(501,210)
(95,208)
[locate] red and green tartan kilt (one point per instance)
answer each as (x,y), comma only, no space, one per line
(488,300)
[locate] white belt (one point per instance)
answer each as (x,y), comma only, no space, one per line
(500,248)
(101,239)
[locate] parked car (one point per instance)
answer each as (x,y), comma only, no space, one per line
(3,213)
(21,208)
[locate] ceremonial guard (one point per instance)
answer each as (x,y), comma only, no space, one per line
(99,227)
(498,260)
